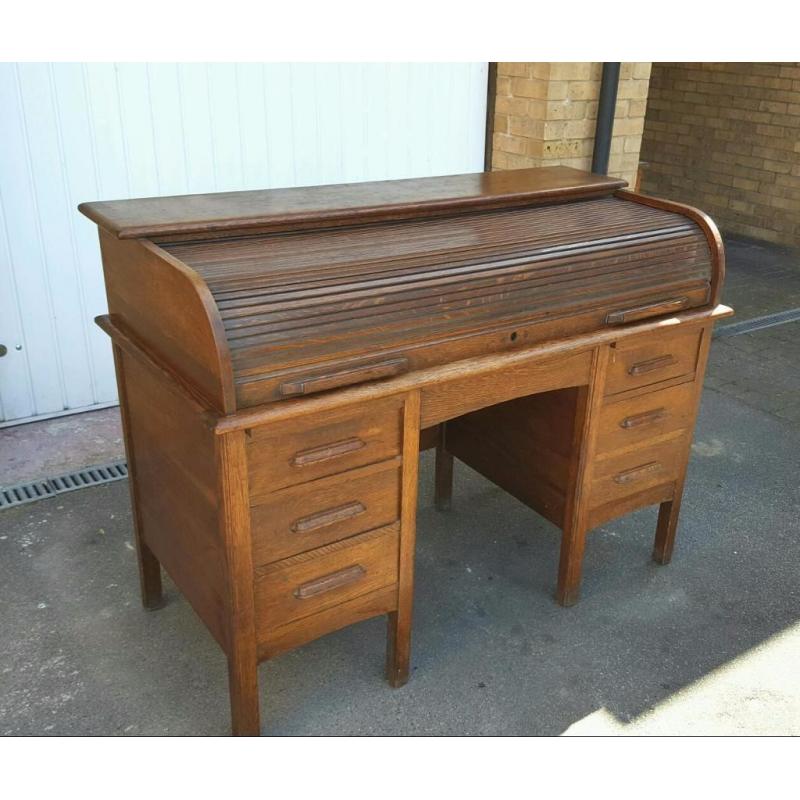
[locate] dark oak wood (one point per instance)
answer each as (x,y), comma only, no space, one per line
(234,528)
(443,487)
(309,515)
(282,357)
(145,286)
(668,512)
(575,525)
(343,204)
(398,649)
(149,569)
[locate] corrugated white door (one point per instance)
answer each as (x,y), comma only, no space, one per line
(75,132)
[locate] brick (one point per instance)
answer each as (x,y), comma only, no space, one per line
(562,148)
(526,127)
(633,144)
(626,127)
(579,128)
(508,144)
(633,90)
(565,109)
(512,105)
(557,90)
(637,108)
(745,184)
(772,106)
(642,70)
(583,90)
(571,70)
(779,167)
(513,68)
(540,70)
(528,87)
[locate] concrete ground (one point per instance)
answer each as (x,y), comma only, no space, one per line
(708,644)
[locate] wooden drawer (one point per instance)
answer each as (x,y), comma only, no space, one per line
(309,583)
(303,449)
(633,471)
(651,360)
(313,514)
(629,423)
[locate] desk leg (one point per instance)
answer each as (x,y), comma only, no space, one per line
(243,688)
(573,538)
(668,512)
(398,646)
(149,568)
(443,487)
(234,523)
(667,526)
(573,544)
(149,577)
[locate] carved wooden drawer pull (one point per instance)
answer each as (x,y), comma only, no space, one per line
(345,377)
(643,312)
(328,583)
(637,472)
(329,517)
(652,364)
(326,452)
(646,418)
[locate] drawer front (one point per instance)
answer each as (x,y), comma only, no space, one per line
(303,449)
(304,517)
(629,423)
(651,360)
(309,583)
(628,473)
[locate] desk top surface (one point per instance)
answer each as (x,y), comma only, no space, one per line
(312,206)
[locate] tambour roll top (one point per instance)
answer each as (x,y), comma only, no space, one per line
(308,290)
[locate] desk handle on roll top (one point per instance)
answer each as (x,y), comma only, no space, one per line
(644,312)
(345,377)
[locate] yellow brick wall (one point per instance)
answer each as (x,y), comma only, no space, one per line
(545,114)
(726,137)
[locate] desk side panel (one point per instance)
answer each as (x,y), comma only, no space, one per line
(168,307)
(172,455)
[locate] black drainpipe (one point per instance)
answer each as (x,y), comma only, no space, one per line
(605,117)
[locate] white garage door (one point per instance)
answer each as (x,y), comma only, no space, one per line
(73,132)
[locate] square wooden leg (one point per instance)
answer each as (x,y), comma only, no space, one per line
(573,538)
(149,577)
(243,687)
(398,646)
(443,487)
(666,528)
(573,543)
(398,649)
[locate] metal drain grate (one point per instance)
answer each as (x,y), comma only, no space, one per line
(69,482)
(758,323)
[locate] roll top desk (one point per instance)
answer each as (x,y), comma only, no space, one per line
(282,356)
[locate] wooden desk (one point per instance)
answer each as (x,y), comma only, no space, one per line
(281,499)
